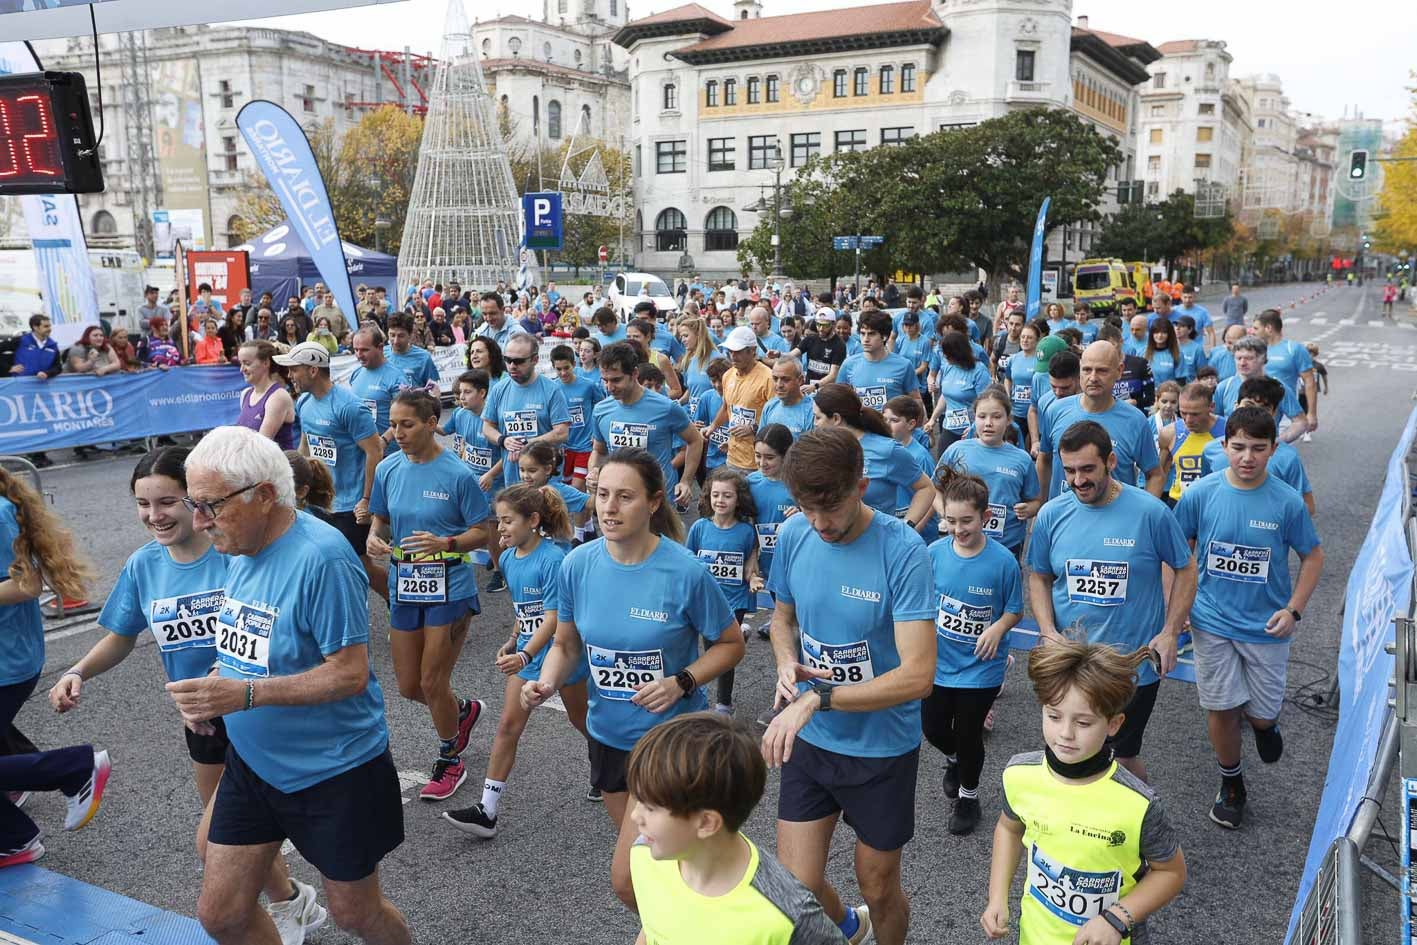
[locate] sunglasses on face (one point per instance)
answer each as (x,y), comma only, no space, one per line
(518,362)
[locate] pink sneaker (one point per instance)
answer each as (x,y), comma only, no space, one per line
(26,854)
(467,718)
(447,778)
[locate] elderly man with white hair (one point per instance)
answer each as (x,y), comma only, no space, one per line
(309,756)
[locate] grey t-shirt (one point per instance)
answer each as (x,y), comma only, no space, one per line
(1235,307)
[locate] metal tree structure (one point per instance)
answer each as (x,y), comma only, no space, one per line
(464,223)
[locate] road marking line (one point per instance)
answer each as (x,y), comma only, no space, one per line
(1318,320)
(1377,323)
(411,779)
(1347,321)
(84,627)
(7,939)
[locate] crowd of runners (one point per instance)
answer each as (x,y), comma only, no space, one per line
(874,494)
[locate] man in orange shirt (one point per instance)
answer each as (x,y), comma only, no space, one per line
(746,390)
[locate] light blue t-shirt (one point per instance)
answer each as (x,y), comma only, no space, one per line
(527,411)
(1192,358)
(1243,538)
(440,496)
(959,387)
(1134,346)
(650,423)
(798,418)
(21,625)
(619,334)
(772,341)
(479,453)
(1163,366)
(666,342)
(972,594)
(925,463)
(1011,476)
(706,408)
(1105,562)
(591,374)
(179,603)
(889,467)
(581,397)
(302,598)
(532,581)
(695,377)
(639,623)
(1089,330)
(377,389)
(1132,440)
(1056,325)
(773,500)
(1287,360)
(1020,369)
(1200,313)
(915,350)
(849,598)
(878,381)
(726,552)
(1223,361)
(1227,396)
(1286,464)
(332,426)
(415,364)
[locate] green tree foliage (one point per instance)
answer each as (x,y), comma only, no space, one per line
(1167,230)
(585,233)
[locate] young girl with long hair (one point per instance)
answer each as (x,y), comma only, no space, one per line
(725,540)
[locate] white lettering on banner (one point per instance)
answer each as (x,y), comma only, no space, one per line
(291,178)
(55,411)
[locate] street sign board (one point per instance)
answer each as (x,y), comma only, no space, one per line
(851,242)
(604,254)
(871,242)
(543,220)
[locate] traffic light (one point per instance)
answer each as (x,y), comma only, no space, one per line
(1358,165)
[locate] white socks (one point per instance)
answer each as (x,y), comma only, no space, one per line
(492,795)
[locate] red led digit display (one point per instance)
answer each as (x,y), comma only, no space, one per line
(46,135)
(29,140)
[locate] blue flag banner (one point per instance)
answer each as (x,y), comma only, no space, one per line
(1379,589)
(283,153)
(81,409)
(1035,261)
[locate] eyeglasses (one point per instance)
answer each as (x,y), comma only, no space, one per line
(213,508)
(516,361)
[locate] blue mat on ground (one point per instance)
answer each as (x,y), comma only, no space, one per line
(45,908)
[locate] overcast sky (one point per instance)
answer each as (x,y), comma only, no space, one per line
(1329,61)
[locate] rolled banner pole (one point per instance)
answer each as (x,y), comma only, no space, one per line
(1035,262)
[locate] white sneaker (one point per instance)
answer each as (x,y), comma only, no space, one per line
(1307,438)
(83,805)
(296,917)
(863,916)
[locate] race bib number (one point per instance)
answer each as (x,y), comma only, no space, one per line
(956,421)
(1244,563)
(1072,895)
(373,407)
(421,582)
(961,622)
(244,638)
(519,423)
(1188,470)
(994,523)
(577,414)
(1100,583)
(742,416)
(624,435)
(181,623)
(818,368)
(1023,394)
(719,438)
(848,663)
(725,566)
(767,538)
(528,616)
(618,673)
(873,397)
(478,458)
(322,448)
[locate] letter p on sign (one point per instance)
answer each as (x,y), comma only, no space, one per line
(542,212)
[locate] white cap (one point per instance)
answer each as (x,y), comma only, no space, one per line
(307,353)
(739,338)
(826,314)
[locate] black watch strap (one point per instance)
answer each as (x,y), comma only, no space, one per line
(686,681)
(1297,616)
(1114,920)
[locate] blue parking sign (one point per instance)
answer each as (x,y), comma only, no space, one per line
(543,220)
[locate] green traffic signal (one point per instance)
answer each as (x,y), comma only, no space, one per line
(1358,165)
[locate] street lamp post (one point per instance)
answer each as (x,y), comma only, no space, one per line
(776,164)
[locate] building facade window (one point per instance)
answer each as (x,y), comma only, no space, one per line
(553,119)
(671,97)
(861,81)
(761,149)
(487,47)
(805,146)
(1202,162)
(897,135)
(307,99)
(720,154)
(536,116)
(1158,81)
(1206,108)
(754,90)
(1024,60)
(851,140)
(671,231)
(614,8)
(671,157)
(1205,133)
(907,77)
(839,83)
(730,91)
(105,225)
(887,80)
(771,88)
(1155,136)
(710,94)
(1158,111)
(1153,165)
(228,100)
(586,121)
(639,154)
(720,230)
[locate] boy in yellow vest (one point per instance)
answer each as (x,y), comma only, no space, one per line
(1101,855)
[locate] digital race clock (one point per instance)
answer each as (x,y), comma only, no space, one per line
(46,135)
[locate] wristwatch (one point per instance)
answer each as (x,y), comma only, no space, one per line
(686,681)
(824,698)
(1114,920)
(1297,616)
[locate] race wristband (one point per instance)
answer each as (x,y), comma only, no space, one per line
(250,693)
(526,660)
(72,672)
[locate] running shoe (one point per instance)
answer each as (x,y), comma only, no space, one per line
(473,820)
(84,804)
(951,781)
(965,816)
(1306,438)
(722,709)
(863,916)
(496,583)
(765,631)
(1229,808)
(295,918)
(469,711)
(594,796)
(26,854)
(1269,743)
(448,776)
(18,798)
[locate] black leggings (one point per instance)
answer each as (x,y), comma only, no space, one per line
(725,682)
(953,721)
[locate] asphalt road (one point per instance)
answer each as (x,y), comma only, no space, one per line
(545,877)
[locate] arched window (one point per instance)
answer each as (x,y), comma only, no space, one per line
(720,230)
(553,119)
(671,231)
(586,121)
(487,47)
(671,96)
(234,225)
(515,45)
(578,57)
(546,51)
(754,89)
(104,224)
